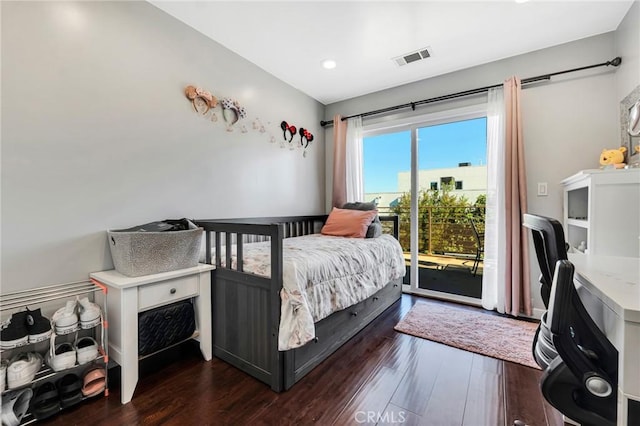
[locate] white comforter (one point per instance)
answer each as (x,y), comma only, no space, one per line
(322,275)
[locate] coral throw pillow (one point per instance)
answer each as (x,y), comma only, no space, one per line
(348,223)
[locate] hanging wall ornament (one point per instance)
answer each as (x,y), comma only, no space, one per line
(201,99)
(232,112)
(305,139)
(287,131)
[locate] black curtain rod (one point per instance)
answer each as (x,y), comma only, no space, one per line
(615,62)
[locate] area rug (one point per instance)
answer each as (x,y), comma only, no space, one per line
(476,331)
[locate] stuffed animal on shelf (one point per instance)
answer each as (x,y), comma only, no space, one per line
(613,158)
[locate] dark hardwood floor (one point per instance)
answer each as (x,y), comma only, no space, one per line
(380,376)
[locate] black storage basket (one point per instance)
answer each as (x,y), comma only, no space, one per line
(162,327)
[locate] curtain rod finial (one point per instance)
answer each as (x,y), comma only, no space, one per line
(615,61)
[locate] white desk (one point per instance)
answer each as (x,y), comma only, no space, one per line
(609,288)
(127,296)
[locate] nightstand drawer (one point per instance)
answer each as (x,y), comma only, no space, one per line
(165,292)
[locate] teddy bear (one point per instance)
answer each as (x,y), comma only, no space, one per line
(613,158)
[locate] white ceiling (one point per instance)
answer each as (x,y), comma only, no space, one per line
(290,39)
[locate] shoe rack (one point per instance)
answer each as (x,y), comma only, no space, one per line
(48,299)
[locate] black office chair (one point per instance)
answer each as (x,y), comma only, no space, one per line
(577,357)
(480,247)
(548,239)
(582,381)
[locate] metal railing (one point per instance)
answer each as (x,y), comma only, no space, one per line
(442,230)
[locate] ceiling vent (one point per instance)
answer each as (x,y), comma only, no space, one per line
(408,58)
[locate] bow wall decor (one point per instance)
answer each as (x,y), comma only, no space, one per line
(206,105)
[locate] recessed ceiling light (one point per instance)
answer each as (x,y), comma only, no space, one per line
(521,1)
(328,64)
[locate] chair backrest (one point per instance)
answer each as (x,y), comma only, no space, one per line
(589,361)
(548,240)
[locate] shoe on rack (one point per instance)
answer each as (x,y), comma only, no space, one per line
(14,333)
(90,313)
(65,319)
(15,405)
(61,356)
(69,390)
(3,376)
(22,369)
(95,382)
(45,402)
(39,327)
(87,350)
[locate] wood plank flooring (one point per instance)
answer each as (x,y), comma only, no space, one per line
(379,377)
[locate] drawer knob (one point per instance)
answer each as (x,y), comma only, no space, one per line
(315,339)
(172,291)
(354,314)
(375,298)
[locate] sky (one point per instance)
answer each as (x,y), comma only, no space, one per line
(440,146)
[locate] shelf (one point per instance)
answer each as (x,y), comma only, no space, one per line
(23,298)
(24,345)
(193,336)
(578,222)
(45,373)
(600,211)
(44,298)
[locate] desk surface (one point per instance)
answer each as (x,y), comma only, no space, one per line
(614,280)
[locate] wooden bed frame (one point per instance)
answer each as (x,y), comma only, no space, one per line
(246,307)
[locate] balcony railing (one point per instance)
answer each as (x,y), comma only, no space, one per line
(442,230)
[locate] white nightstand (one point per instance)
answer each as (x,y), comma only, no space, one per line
(127,296)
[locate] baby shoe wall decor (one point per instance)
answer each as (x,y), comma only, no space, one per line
(232,113)
(201,99)
(257,125)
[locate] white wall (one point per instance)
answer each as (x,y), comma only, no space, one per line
(567,122)
(627,45)
(97,134)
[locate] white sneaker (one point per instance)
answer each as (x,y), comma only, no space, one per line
(3,376)
(61,356)
(90,313)
(87,350)
(22,369)
(65,319)
(15,406)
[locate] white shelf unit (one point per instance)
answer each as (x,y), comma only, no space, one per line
(602,208)
(48,299)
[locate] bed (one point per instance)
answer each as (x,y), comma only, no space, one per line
(251,301)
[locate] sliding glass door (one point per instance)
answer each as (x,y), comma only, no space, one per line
(431,172)
(452,183)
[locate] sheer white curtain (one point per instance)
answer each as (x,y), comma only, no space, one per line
(353,155)
(495,249)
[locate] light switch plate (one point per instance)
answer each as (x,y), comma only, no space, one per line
(542,189)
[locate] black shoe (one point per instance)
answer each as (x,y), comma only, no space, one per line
(15,334)
(38,327)
(69,390)
(45,402)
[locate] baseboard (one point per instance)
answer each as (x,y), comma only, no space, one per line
(537,313)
